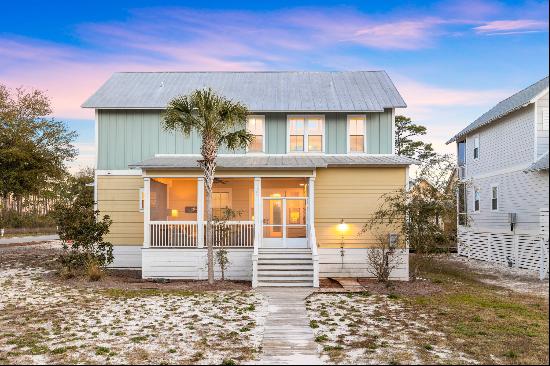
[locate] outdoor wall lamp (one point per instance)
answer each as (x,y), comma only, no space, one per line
(342,228)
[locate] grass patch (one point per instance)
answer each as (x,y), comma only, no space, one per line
(132,294)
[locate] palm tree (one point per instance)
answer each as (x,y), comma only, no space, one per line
(217,120)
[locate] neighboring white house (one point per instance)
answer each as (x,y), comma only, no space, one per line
(503,172)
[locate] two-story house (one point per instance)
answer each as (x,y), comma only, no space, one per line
(503,170)
(321,159)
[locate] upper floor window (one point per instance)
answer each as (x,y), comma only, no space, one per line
(494,198)
(477,198)
(306,134)
(461,152)
(256,126)
(476,147)
(356,134)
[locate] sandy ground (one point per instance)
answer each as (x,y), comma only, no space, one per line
(357,328)
(515,279)
(42,321)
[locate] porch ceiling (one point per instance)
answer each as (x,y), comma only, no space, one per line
(283,162)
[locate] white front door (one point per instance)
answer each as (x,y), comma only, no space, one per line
(284,222)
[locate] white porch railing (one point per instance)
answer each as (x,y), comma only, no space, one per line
(181,234)
(184,234)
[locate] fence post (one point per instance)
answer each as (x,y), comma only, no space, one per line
(515,255)
(542,259)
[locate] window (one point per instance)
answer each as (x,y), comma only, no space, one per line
(220,201)
(306,134)
(462,205)
(141,199)
(256,126)
(356,134)
(477,196)
(461,150)
(494,198)
(476,147)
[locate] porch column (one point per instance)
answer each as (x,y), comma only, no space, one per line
(200,212)
(146,212)
(310,205)
(258,212)
(312,238)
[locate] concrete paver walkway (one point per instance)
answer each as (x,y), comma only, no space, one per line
(28,239)
(288,338)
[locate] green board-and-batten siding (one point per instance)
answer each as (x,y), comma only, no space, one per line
(130,136)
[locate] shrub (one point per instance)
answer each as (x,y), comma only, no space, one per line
(81,228)
(94,272)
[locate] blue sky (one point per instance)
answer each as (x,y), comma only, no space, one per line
(451,60)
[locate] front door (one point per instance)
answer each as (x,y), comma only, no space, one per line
(284,222)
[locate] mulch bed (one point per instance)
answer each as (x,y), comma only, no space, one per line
(420,287)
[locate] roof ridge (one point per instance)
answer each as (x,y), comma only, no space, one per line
(245,72)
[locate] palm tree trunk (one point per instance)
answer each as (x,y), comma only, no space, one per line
(208,164)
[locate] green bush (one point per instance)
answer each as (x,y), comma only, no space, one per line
(81,228)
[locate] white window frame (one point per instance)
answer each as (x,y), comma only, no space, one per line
(141,200)
(306,134)
(476,141)
(349,117)
(498,197)
(477,190)
(262,117)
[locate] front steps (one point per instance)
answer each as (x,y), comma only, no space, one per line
(285,268)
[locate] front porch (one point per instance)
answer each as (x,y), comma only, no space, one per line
(273,217)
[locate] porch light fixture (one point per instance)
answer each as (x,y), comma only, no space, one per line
(342,227)
(174,213)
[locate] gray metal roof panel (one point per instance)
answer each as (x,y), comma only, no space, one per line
(275,161)
(298,91)
(505,107)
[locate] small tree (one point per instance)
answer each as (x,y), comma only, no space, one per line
(418,214)
(220,122)
(81,228)
(383,258)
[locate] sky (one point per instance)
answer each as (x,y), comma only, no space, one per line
(451,60)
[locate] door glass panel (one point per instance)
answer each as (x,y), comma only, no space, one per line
(296,212)
(296,232)
(273,212)
(273,232)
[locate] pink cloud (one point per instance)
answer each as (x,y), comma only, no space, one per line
(512,26)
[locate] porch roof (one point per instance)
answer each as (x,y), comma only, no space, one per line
(276,161)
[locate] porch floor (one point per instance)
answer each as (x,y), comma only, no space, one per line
(288,338)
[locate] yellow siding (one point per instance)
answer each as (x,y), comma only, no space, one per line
(118,197)
(352,194)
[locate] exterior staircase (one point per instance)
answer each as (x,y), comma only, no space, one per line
(285,268)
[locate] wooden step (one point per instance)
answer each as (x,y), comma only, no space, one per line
(285,284)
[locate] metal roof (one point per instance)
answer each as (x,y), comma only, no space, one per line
(540,164)
(275,161)
(350,91)
(505,107)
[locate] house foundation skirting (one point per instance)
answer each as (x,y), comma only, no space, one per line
(180,263)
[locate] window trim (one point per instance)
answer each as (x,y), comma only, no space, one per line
(262,117)
(306,134)
(498,197)
(477,190)
(141,200)
(476,138)
(348,142)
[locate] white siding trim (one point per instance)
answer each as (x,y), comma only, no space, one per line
(129,172)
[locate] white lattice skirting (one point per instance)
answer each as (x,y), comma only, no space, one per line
(525,251)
